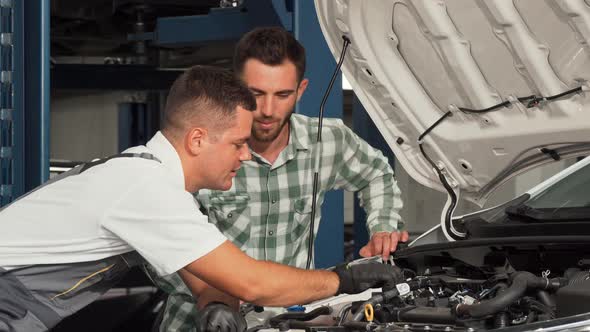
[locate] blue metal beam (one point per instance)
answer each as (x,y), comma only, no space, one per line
(329,244)
(24,113)
(11,118)
(219,24)
(36,91)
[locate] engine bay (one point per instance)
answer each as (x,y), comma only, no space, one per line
(465,286)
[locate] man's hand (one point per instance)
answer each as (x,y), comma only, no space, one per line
(383,243)
(218,317)
(360,277)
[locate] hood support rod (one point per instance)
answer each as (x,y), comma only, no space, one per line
(317,154)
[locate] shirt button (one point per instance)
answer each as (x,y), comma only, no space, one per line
(273,201)
(270,233)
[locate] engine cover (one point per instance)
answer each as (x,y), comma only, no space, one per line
(574,298)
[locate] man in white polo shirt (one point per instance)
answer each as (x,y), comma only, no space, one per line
(69,241)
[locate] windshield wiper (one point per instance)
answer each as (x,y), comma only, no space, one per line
(523,212)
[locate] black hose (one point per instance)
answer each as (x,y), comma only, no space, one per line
(546,299)
(389,294)
(501,320)
(255,328)
(537,306)
(292,318)
(343,313)
(356,326)
(531,316)
(521,281)
(426,315)
(375,299)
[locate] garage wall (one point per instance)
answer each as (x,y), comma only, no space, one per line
(84,125)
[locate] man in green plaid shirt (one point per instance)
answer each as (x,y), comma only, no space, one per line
(267,212)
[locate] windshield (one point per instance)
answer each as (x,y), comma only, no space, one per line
(573,191)
(567,200)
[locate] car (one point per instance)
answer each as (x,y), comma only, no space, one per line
(469,94)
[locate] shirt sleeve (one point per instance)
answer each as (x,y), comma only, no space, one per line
(366,170)
(163,224)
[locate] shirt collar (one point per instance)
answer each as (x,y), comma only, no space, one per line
(298,135)
(161,148)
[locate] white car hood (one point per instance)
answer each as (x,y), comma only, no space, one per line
(410,62)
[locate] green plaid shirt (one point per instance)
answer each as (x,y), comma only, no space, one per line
(267,212)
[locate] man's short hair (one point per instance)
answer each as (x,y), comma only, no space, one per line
(205,96)
(271,46)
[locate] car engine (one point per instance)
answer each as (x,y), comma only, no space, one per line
(468,286)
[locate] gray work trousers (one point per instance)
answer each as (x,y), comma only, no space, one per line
(37,297)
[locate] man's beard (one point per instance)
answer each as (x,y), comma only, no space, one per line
(269,135)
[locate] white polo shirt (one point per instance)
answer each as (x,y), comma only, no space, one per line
(122,205)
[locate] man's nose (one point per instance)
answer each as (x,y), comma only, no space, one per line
(265,106)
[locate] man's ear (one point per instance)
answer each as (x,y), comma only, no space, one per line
(302,86)
(195,139)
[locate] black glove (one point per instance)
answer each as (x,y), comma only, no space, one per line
(219,317)
(360,277)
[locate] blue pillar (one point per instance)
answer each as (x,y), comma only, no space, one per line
(30,99)
(24,80)
(11,157)
(36,91)
(329,244)
(365,128)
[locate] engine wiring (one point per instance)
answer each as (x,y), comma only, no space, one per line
(492,108)
(531,101)
(455,234)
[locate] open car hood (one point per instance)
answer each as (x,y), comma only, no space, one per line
(412,63)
